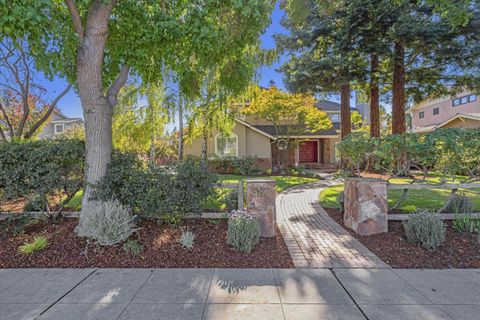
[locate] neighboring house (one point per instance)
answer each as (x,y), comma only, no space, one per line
(253,136)
(462,111)
(58,125)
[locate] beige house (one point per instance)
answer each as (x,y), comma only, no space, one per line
(462,111)
(256,137)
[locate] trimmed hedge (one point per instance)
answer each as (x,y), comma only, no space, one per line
(41,170)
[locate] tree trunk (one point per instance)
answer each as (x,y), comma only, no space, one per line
(180,129)
(399,125)
(205,145)
(346,121)
(374,98)
(96,108)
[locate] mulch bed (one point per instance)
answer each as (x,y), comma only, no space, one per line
(459,250)
(161,249)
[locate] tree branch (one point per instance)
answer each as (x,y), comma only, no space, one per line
(7,121)
(112,92)
(76,20)
(47,114)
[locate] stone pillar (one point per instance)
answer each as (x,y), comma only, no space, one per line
(261,202)
(366,205)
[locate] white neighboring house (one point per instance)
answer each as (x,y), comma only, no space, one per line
(58,124)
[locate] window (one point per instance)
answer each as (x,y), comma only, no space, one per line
(421,115)
(59,128)
(436,111)
(335,117)
(464,100)
(226,145)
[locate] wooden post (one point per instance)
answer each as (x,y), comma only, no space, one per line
(240,202)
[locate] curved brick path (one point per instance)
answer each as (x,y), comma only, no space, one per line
(314,239)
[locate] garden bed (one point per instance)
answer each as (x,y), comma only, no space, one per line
(160,243)
(459,251)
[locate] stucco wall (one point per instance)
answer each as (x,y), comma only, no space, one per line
(250,143)
(447,110)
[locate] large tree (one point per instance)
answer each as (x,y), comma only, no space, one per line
(106,40)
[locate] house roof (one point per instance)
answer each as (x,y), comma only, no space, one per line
(270,130)
(331,106)
(473,116)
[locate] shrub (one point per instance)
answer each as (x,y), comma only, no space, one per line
(269,172)
(133,247)
(466,224)
(45,169)
(108,223)
(34,203)
(425,229)
(460,204)
(38,244)
(356,148)
(187,238)
(243,231)
(242,165)
(157,191)
(15,225)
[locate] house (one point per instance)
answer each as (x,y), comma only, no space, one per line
(58,125)
(256,137)
(461,111)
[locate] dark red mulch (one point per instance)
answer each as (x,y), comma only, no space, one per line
(161,249)
(459,250)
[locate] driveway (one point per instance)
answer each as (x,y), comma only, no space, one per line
(146,294)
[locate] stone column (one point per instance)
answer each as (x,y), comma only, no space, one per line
(261,202)
(366,205)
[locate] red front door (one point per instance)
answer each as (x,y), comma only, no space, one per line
(308,151)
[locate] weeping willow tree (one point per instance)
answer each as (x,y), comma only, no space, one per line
(140,118)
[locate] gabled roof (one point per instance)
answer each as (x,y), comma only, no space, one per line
(331,106)
(472,116)
(254,128)
(270,130)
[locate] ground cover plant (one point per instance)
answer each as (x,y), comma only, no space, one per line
(37,244)
(243,231)
(425,229)
(161,248)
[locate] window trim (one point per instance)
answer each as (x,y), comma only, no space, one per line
(233,134)
(55,128)
(421,115)
(458,101)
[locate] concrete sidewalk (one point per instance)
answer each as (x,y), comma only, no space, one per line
(145,294)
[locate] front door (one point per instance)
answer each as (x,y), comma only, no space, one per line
(308,151)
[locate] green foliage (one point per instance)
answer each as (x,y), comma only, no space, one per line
(241,165)
(38,244)
(187,238)
(133,247)
(173,220)
(356,148)
(466,224)
(450,152)
(243,231)
(34,203)
(42,169)
(269,172)
(460,204)
(425,229)
(156,191)
(15,225)
(108,223)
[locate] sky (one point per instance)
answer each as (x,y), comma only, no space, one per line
(70,104)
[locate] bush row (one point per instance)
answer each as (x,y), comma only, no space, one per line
(42,170)
(242,165)
(449,152)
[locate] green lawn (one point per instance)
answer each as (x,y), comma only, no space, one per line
(416,199)
(223,200)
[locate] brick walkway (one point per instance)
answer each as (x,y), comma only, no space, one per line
(315,240)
